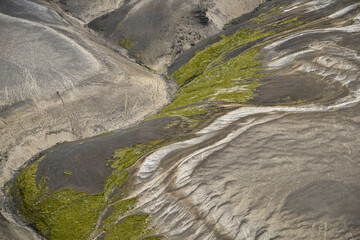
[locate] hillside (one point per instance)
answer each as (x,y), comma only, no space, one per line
(156,32)
(259,141)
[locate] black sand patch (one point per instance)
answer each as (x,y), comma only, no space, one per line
(283,89)
(85,161)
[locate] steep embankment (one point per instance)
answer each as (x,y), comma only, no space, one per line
(216,163)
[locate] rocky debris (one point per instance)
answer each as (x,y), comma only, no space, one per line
(200,14)
(184,40)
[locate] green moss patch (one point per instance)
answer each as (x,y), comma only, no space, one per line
(267,19)
(67,214)
(232,81)
(126,43)
(228,70)
(139,55)
(297,102)
(202,59)
(124,158)
(26,188)
(118,210)
(130,228)
(290,20)
(190,116)
(153,238)
(62,215)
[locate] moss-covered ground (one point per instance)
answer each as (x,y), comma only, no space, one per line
(67,214)
(226,71)
(125,157)
(231,81)
(215,52)
(62,215)
(126,43)
(130,228)
(221,73)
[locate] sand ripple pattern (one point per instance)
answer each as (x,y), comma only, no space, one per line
(279,172)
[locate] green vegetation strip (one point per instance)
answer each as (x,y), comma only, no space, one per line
(62,215)
(225,82)
(67,214)
(124,158)
(202,59)
(210,76)
(190,116)
(214,75)
(132,227)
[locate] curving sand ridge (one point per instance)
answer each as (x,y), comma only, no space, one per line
(278,172)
